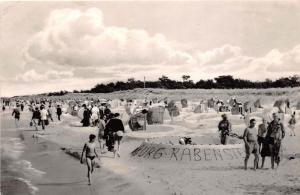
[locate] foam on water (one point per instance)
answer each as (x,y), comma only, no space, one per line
(13,166)
(33,189)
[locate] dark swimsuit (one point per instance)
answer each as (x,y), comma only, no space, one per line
(88,152)
(91,157)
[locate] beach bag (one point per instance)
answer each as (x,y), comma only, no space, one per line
(47,122)
(120,133)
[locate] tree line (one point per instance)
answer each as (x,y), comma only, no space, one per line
(220,82)
(164,82)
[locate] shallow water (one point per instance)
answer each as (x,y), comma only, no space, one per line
(16,172)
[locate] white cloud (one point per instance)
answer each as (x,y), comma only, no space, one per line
(72,38)
(286,62)
(218,55)
(230,60)
(33,76)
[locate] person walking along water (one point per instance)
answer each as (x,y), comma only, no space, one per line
(16,113)
(89,149)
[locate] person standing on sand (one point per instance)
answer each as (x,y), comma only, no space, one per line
(49,110)
(36,117)
(95,115)
(44,116)
(86,117)
(58,112)
(275,133)
(115,128)
(292,123)
(89,149)
(224,128)
(16,113)
(22,106)
(251,145)
(107,112)
(101,132)
(262,130)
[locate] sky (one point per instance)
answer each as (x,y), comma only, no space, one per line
(52,46)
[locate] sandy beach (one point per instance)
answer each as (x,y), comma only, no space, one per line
(137,173)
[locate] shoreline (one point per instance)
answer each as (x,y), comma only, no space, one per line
(69,176)
(63,173)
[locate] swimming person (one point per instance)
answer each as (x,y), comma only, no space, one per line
(89,149)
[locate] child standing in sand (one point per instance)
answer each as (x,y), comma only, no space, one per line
(251,145)
(89,149)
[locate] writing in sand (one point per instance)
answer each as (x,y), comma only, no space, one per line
(177,153)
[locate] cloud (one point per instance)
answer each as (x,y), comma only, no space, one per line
(92,72)
(286,62)
(33,76)
(231,60)
(218,55)
(72,38)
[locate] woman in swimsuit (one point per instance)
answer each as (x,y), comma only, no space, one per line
(90,153)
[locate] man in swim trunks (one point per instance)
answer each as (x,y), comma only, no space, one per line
(89,149)
(251,145)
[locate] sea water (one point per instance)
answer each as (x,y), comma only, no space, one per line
(16,173)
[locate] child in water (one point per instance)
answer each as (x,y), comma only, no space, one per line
(89,149)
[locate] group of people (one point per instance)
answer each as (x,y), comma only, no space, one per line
(41,115)
(264,141)
(92,115)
